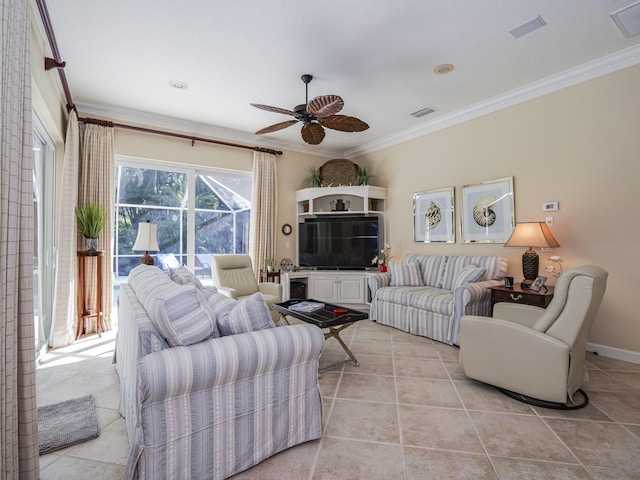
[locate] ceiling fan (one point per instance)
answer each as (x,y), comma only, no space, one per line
(315,114)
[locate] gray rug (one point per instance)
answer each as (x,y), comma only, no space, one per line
(66,423)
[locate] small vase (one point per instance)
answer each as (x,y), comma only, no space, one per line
(383,268)
(91,244)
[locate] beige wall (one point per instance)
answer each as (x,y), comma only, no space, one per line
(580,147)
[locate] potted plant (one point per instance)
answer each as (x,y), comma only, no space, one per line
(270,264)
(313,178)
(382,259)
(364,175)
(90,222)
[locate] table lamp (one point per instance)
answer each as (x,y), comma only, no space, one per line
(531,234)
(147,240)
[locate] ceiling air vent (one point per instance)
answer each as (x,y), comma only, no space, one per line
(628,19)
(423,112)
(528,27)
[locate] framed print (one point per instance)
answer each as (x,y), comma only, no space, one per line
(488,211)
(538,283)
(434,216)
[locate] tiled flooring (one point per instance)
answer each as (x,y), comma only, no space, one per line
(407,412)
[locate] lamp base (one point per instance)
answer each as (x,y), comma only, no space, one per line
(147,259)
(530,265)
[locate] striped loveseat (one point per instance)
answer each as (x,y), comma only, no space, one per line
(208,408)
(428,294)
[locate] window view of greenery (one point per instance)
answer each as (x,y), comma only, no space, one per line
(222,213)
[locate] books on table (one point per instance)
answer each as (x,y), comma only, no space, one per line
(306,307)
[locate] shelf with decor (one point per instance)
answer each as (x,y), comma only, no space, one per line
(362,199)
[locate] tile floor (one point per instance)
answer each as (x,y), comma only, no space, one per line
(407,412)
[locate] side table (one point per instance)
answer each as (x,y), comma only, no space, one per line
(85,309)
(273,276)
(517,294)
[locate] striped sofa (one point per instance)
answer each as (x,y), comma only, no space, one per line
(209,408)
(428,294)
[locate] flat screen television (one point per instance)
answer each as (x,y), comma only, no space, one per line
(344,242)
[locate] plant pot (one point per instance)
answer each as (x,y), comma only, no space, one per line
(90,244)
(383,268)
(269,268)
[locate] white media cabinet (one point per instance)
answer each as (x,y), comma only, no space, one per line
(349,287)
(346,287)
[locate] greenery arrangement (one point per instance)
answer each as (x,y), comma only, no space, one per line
(365,176)
(313,178)
(90,219)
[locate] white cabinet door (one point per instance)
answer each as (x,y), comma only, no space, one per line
(350,290)
(323,288)
(337,288)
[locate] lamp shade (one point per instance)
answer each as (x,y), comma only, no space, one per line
(532,234)
(147,239)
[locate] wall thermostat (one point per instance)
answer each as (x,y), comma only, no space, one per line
(549,206)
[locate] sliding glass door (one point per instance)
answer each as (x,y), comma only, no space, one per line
(44,260)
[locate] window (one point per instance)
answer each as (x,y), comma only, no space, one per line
(44,252)
(216,220)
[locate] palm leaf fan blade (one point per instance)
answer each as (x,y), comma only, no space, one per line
(269,108)
(344,123)
(276,127)
(313,133)
(325,106)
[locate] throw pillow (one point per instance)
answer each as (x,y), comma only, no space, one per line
(405,274)
(181,315)
(183,276)
(469,274)
(246,315)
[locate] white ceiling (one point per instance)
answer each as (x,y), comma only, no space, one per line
(378,55)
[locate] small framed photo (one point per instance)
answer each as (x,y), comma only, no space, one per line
(538,283)
(434,216)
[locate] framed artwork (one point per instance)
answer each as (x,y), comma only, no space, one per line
(434,216)
(488,211)
(538,283)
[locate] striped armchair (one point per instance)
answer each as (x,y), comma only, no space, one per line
(428,294)
(216,407)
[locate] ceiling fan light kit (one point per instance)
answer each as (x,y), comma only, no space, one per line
(316,115)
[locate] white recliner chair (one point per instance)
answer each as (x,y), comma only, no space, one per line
(233,276)
(533,354)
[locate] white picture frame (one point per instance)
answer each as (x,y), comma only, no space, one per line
(488,214)
(434,216)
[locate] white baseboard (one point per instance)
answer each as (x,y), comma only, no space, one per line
(612,352)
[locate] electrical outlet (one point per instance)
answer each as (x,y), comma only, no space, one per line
(287,244)
(549,221)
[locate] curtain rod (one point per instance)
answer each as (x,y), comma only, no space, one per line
(107,123)
(57,60)
(58,64)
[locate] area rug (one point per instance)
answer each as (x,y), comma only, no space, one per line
(63,424)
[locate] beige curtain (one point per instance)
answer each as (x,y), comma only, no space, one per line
(264,210)
(97,176)
(18,408)
(65,310)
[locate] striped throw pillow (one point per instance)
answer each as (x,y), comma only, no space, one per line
(405,274)
(246,315)
(468,274)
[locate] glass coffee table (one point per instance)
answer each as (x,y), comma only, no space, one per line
(334,317)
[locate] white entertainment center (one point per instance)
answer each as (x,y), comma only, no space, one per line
(349,287)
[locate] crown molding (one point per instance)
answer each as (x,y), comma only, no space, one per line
(127,115)
(588,71)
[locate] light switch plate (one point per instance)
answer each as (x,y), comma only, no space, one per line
(550,206)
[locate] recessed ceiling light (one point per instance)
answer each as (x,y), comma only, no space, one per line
(443,69)
(179,85)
